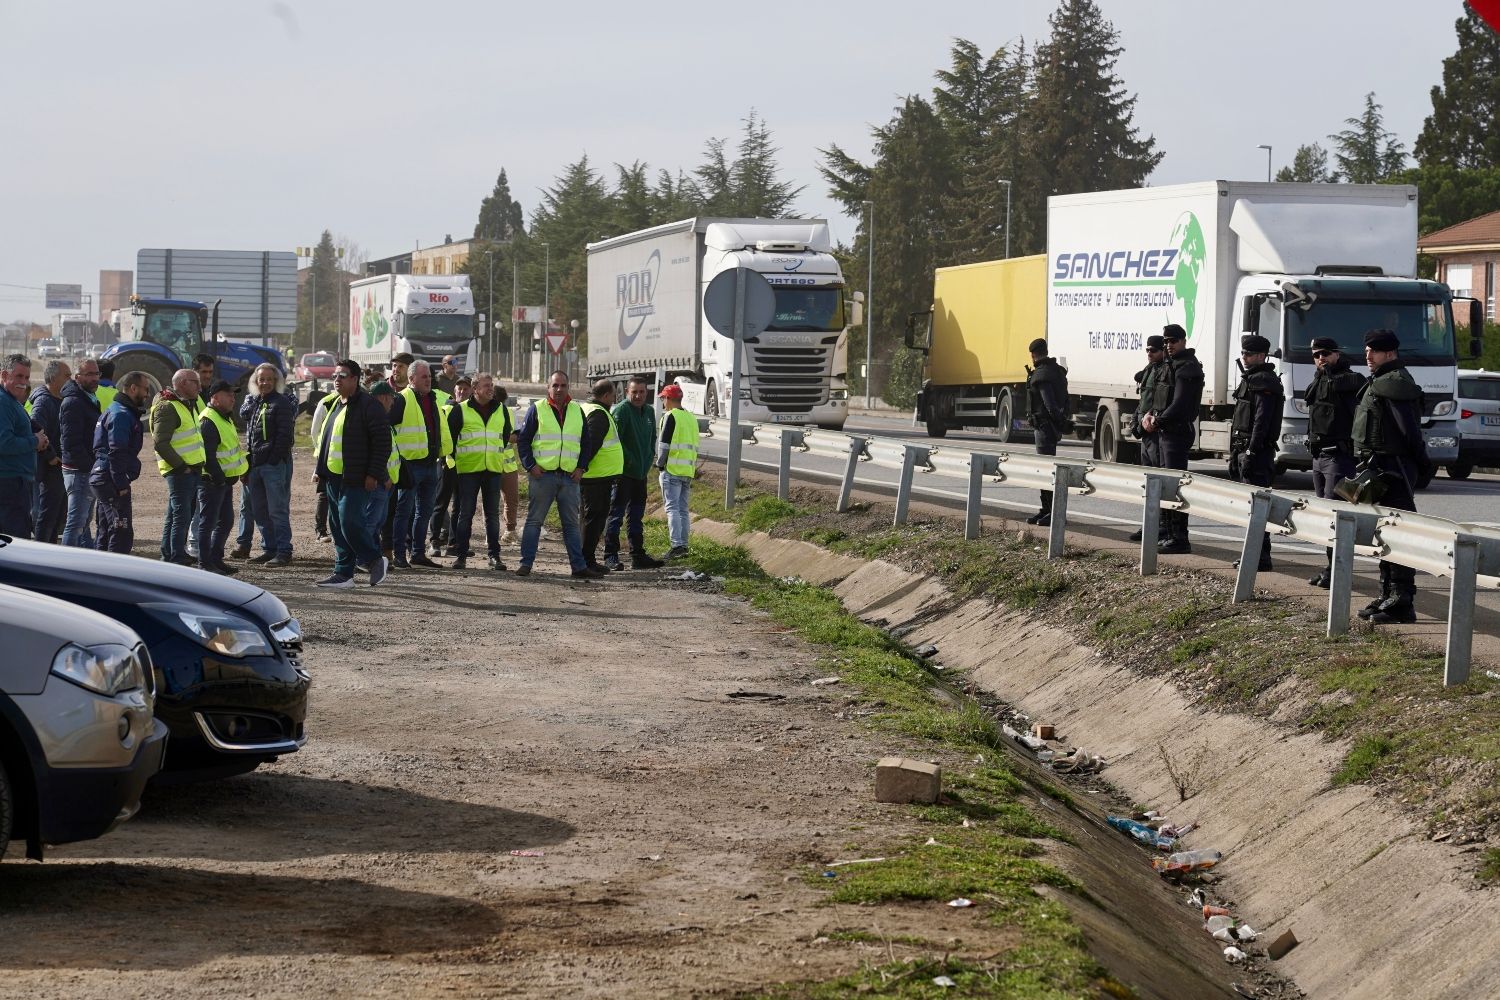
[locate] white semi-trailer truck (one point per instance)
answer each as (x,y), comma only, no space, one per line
(1224,258)
(645,297)
(424,315)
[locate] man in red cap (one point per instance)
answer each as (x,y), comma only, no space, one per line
(677,461)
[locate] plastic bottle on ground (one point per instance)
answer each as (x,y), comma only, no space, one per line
(1186,861)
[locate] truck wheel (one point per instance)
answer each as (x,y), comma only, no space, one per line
(1109,443)
(156,373)
(1460,470)
(1005,416)
(936,427)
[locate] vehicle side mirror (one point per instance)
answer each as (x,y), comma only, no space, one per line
(914,321)
(857,310)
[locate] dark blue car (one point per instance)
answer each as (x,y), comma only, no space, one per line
(228,655)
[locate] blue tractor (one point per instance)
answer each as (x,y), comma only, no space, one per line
(165,334)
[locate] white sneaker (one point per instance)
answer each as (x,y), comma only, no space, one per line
(545,535)
(510,538)
(336,582)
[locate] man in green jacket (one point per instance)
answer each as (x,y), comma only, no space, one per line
(636,424)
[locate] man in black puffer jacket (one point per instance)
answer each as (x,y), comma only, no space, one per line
(50,501)
(352,453)
(270,415)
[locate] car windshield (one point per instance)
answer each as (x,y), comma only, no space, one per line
(1424,329)
(174,328)
(319,360)
(809,309)
(1487,389)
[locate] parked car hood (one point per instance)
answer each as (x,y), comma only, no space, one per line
(109,576)
(23,611)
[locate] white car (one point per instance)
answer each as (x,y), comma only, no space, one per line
(1478,400)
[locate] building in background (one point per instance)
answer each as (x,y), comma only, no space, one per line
(1468,255)
(114,292)
(445,258)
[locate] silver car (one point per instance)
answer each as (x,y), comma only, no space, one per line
(78,739)
(1478,422)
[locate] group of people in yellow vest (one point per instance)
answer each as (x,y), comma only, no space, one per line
(380,455)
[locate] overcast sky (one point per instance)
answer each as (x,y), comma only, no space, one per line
(246,124)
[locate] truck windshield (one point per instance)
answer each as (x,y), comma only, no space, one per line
(809,309)
(448,327)
(179,329)
(1425,329)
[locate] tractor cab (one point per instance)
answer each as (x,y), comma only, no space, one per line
(176,324)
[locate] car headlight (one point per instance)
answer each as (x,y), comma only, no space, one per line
(1299,405)
(105,670)
(838,394)
(229,635)
(1444,408)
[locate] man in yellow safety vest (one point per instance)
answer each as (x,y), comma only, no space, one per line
(424,442)
(179,458)
(677,460)
(483,430)
(351,457)
(225,462)
(604,471)
(555,449)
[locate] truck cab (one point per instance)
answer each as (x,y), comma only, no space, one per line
(167,333)
(1292,310)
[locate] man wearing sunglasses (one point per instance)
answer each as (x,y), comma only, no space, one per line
(352,458)
(1330,426)
(1256,422)
(1154,391)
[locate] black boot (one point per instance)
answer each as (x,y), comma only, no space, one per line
(1400,608)
(1385,592)
(1324,577)
(1043,517)
(1176,540)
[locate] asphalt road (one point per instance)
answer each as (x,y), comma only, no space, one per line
(1215,546)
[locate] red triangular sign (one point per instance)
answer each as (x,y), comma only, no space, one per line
(555,342)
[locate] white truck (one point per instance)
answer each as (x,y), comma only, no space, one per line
(1223,258)
(425,315)
(645,299)
(72,333)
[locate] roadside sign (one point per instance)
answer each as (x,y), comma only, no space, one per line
(555,342)
(526,314)
(719,302)
(64,296)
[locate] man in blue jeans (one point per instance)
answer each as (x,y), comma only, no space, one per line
(269,416)
(352,452)
(419,417)
(178,442)
(20,443)
(555,450)
(80,411)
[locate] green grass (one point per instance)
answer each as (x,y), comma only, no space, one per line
(1363,760)
(1489,867)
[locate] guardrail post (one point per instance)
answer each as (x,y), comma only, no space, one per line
(856,451)
(1461,611)
(1341,580)
(1151,525)
(789,439)
(912,453)
(1063,477)
(981,464)
(1255,533)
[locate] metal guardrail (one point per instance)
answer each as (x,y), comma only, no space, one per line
(1468,555)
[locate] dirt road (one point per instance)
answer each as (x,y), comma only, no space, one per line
(457,718)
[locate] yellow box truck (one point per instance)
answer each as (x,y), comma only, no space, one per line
(976,335)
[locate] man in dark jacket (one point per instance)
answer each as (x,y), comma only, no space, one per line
(270,416)
(1048,411)
(352,454)
(78,413)
(1387,436)
(1176,425)
(1331,397)
(1255,426)
(636,424)
(21,440)
(51,497)
(117,463)
(224,464)
(1152,387)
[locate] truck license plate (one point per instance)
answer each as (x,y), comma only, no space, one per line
(1490,421)
(788,418)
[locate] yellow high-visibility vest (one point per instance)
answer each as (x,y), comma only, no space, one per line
(481,444)
(233,461)
(557,447)
(682,450)
(609,460)
(411,433)
(187,439)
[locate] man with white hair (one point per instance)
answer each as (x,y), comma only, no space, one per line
(178,442)
(423,440)
(20,444)
(270,415)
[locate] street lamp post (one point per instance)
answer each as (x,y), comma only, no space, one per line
(490,253)
(1007,218)
(515,322)
(869,301)
(1268,160)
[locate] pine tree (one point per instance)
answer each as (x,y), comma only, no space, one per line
(1464,127)
(318,328)
(632,207)
(1080,135)
(673,198)
(1309,166)
(748,185)
(1365,151)
(500,215)
(574,212)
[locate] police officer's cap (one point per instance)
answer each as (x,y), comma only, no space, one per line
(1254,343)
(1038,346)
(1324,344)
(1155,343)
(1382,340)
(1173,332)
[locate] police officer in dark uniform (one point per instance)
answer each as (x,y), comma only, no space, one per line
(1387,436)
(1330,427)
(1154,389)
(1049,413)
(1256,424)
(1175,423)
